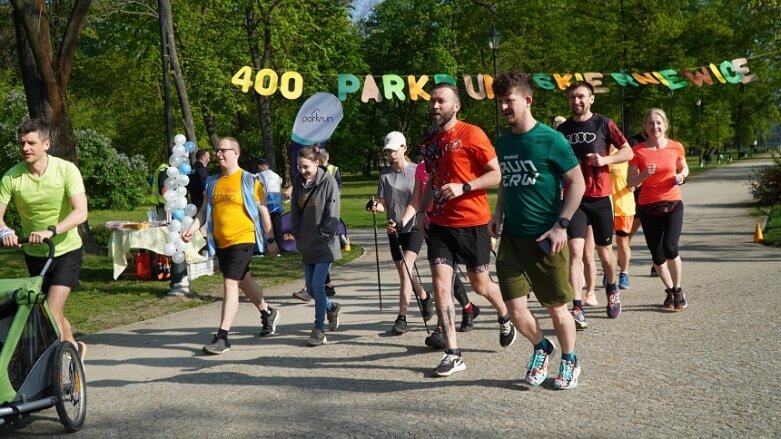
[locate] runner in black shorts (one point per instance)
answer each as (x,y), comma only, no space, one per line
(395,188)
(461,163)
(591,135)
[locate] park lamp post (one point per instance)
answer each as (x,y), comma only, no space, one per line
(493,44)
(699,130)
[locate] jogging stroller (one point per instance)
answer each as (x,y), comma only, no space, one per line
(37,370)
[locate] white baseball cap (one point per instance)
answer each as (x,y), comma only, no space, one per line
(394,140)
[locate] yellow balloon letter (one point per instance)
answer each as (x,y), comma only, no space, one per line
(266,87)
(298,85)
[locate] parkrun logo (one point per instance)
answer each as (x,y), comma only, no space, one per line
(316,118)
(581,137)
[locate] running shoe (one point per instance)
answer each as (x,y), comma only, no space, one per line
(569,371)
(623,281)
(427,306)
(330,291)
(436,340)
(217,346)
(679,300)
(580,319)
(653,272)
(269,322)
(317,338)
(449,364)
(333,317)
(590,299)
(604,281)
(467,318)
(537,369)
(669,302)
(506,334)
(302,295)
(399,327)
(613,304)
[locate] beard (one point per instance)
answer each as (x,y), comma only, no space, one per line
(443,117)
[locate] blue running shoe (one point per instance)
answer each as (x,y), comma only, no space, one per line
(569,371)
(623,281)
(537,369)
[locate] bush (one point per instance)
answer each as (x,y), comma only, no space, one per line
(113,180)
(766,182)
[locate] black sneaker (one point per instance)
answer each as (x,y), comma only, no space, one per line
(217,346)
(427,306)
(449,364)
(399,327)
(653,272)
(669,301)
(679,300)
(467,318)
(329,290)
(269,322)
(506,334)
(436,340)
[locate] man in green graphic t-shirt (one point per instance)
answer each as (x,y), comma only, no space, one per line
(49,194)
(532,220)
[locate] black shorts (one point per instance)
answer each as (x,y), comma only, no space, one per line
(410,241)
(468,245)
(64,269)
(234,260)
(597,213)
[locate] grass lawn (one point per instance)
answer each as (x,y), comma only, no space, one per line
(101,302)
(772,232)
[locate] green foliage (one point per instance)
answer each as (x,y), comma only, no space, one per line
(113,180)
(772,232)
(766,182)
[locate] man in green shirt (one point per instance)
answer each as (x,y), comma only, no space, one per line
(49,194)
(532,219)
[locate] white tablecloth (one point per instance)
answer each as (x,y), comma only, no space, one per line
(152,238)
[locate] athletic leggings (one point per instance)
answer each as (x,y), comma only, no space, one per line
(662,233)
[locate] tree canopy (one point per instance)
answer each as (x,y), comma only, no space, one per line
(115,82)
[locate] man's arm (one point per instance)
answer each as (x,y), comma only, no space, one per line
(268,230)
(489,179)
(495,225)
(576,187)
(623,155)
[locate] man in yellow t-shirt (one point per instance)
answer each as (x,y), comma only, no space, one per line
(49,194)
(237,221)
(624,208)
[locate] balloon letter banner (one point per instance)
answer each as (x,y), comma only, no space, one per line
(315,123)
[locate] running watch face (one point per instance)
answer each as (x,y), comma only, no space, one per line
(467,187)
(563,222)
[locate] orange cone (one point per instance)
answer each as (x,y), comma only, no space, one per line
(758,238)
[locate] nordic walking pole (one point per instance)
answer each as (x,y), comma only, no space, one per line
(376,251)
(409,273)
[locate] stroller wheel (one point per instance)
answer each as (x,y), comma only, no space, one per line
(69,387)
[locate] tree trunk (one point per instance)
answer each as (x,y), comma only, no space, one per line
(208,122)
(264,107)
(46,69)
(181,89)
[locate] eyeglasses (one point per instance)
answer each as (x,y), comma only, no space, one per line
(224,150)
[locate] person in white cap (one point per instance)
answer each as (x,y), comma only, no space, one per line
(394,191)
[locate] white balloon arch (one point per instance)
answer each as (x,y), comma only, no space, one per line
(180,212)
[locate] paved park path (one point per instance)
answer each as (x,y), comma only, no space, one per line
(709,371)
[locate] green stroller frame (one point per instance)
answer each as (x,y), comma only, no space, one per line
(37,370)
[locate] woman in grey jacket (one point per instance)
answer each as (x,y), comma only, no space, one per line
(314,215)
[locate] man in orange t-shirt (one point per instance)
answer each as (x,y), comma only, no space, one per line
(462,164)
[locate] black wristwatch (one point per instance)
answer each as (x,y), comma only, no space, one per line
(52,229)
(466,187)
(270,240)
(563,222)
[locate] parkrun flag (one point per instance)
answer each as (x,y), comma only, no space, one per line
(315,123)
